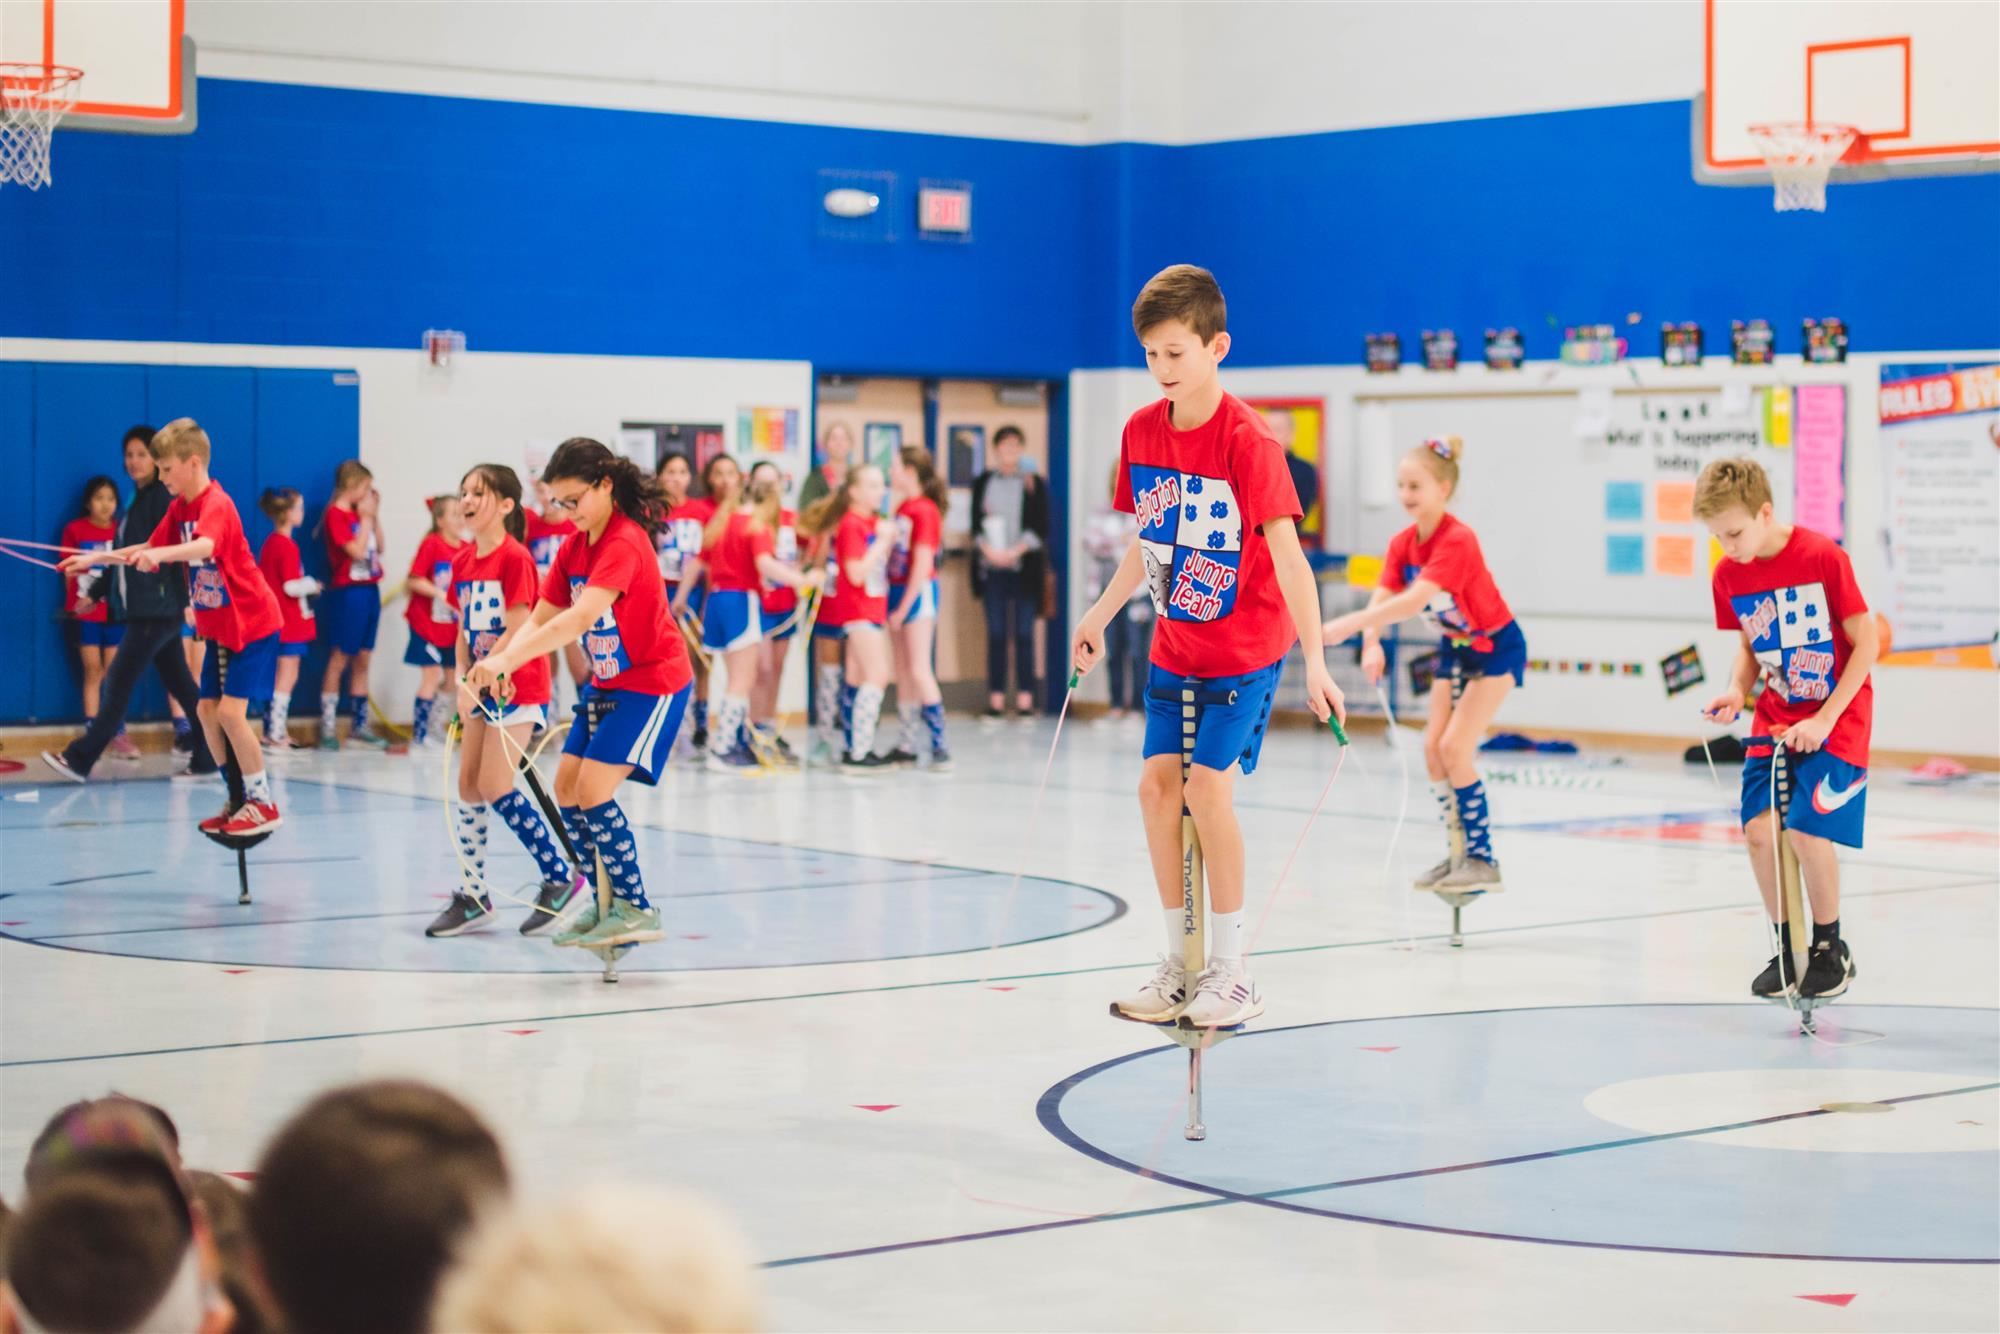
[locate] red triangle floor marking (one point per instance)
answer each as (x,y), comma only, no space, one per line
(22,922)
(1002,988)
(1378,1049)
(242,1176)
(1828,1298)
(878,1106)
(521,1032)
(235,972)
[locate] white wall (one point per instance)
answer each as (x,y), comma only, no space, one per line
(421,430)
(1916,708)
(1156,71)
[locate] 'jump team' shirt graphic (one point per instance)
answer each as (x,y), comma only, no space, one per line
(1790,609)
(1202,498)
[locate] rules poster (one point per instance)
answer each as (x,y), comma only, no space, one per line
(1941,493)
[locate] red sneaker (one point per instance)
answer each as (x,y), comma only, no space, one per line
(213,824)
(253,817)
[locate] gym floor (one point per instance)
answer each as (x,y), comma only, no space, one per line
(893,1063)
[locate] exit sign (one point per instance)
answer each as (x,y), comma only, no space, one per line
(945,210)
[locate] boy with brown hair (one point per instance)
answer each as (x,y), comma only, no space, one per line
(233,609)
(1218,548)
(1806,630)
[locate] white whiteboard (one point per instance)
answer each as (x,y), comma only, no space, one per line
(1535,490)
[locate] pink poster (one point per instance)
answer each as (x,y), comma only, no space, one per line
(1819,446)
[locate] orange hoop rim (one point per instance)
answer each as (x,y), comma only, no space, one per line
(1808,144)
(25,79)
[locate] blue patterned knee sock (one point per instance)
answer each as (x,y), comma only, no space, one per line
(420,721)
(533,831)
(618,852)
(579,839)
(1472,814)
(934,720)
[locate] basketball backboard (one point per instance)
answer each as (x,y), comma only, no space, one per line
(136,57)
(1919,78)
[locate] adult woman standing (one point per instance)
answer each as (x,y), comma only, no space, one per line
(151,607)
(836,455)
(1010,530)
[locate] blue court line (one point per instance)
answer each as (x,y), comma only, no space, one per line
(1051,1120)
(89,879)
(427,912)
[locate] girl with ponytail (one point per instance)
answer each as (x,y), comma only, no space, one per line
(605,589)
(1434,568)
(919,497)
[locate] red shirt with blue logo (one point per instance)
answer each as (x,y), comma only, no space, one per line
(87,536)
(545,538)
(481,588)
(279,560)
(633,645)
(341,526)
(432,619)
(680,539)
(846,601)
(1202,498)
(232,603)
(918,524)
(1790,608)
(1468,604)
(779,599)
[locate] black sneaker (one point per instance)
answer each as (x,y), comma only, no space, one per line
(464,913)
(993,715)
(864,764)
(784,749)
(1829,968)
(554,896)
(700,738)
(902,757)
(1770,982)
(940,760)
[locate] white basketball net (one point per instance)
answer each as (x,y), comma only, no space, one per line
(1800,158)
(32,99)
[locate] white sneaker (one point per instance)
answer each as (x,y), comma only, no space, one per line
(1224,997)
(1161,999)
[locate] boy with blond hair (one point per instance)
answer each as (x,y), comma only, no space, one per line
(234,610)
(1807,632)
(1218,548)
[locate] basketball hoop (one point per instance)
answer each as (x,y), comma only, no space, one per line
(1801,157)
(32,99)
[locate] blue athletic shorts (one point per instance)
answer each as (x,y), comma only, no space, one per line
(1507,657)
(420,652)
(349,617)
(246,673)
(1829,796)
(1231,715)
(779,624)
(100,634)
(924,609)
(734,619)
(627,727)
(294,650)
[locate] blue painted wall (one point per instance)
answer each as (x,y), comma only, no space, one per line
(326,216)
(62,422)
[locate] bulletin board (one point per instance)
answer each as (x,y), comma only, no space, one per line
(1583,502)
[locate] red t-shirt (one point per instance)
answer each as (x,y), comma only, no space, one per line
(87,536)
(1468,604)
(1202,498)
(432,619)
(232,604)
(918,524)
(341,525)
(779,599)
(633,645)
(545,538)
(1790,608)
(480,589)
(280,564)
(847,601)
(732,557)
(679,539)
